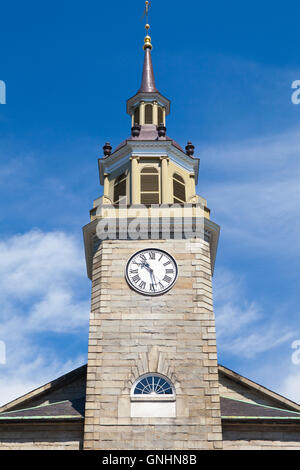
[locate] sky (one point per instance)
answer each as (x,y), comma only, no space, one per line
(228,68)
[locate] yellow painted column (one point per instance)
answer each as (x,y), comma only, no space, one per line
(106,186)
(155,113)
(165,183)
(135,181)
(164,115)
(142,113)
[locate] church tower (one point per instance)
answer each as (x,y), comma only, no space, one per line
(152,377)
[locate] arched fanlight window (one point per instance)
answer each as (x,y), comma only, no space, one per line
(136,119)
(149,186)
(153,385)
(178,189)
(160,116)
(120,188)
(148,114)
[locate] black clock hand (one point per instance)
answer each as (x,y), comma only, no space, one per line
(146,265)
(153,277)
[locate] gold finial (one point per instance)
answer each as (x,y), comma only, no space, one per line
(147,41)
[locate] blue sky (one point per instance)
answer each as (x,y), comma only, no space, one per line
(227,68)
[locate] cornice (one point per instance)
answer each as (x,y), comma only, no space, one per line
(145,148)
(89,232)
(143,96)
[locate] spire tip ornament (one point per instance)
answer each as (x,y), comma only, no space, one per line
(147,40)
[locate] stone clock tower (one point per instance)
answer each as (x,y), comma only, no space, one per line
(152,377)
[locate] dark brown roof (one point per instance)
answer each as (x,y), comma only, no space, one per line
(148,81)
(238,409)
(60,410)
(46,389)
(148,132)
(230,409)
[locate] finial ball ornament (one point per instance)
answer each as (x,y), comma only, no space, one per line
(147,43)
(190,149)
(161,130)
(107,149)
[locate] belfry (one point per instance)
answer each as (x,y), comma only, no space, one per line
(152,380)
(152,368)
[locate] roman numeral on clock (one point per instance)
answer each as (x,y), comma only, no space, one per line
(136,279)
(167,279)
(134,271)
(151,255)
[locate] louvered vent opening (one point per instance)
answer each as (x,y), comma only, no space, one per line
(160,116)
(149,183)
(137,116)
(149,186)
(178,189)
(120,188)
(148,199)
(148,114)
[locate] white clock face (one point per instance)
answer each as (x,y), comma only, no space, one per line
(151,271)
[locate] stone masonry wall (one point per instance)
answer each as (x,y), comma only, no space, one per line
(132,334)
(41,436)
(261,437)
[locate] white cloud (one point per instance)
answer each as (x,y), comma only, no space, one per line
(269,152)
(41,292)
(254,195)
(257,200)
(33,374)
(243,329)
(33,263)
(59,312)
(290,386)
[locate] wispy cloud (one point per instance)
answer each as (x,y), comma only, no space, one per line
(243,328)
(42,299)
(290,386)
(255,190)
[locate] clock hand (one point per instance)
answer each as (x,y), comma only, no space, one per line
(153,277)
(147,266)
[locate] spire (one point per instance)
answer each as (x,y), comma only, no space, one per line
(148,91)
(148,81)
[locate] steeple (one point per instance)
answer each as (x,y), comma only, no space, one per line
(148,80)
(148,106)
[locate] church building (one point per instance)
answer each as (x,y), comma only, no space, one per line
(152,380)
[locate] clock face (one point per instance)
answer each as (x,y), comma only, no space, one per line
(151,271)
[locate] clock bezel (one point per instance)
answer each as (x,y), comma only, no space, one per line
(151,294)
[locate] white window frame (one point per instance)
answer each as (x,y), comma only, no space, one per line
(149,397)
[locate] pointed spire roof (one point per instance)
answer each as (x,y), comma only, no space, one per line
(148,80)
